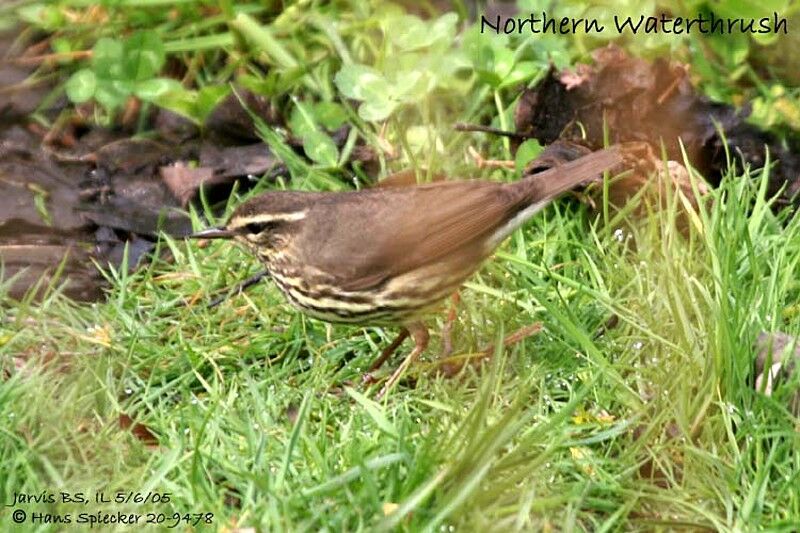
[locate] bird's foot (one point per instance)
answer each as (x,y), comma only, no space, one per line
(419,333)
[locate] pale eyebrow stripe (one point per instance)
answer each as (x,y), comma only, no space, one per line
(271,217)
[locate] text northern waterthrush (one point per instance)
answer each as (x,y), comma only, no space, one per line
(387,256)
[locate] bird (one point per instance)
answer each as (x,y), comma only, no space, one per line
(389,256)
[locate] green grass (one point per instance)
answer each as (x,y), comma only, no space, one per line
(555,432)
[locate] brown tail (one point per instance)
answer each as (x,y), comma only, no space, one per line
(546,185)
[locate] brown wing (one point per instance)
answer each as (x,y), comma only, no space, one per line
(369,236)
(376,234)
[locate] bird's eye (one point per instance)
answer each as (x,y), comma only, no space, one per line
(259,227)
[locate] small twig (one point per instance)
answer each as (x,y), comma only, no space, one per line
(44,58)
(38,48)
(461,126)
(517,336)
(451,366)
(669,90)
(480,162)
(246,284)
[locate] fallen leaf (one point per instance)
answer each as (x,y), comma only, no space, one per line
(140,431)
(184,181)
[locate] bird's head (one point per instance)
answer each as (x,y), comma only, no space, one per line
(264,223)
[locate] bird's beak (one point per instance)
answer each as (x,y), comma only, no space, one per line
(213,233)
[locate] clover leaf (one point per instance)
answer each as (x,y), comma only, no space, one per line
(121,68)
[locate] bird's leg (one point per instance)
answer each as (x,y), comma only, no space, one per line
(447,342)
(419,333)
(246,284)
(385,354)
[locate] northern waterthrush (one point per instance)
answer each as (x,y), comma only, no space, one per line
(388,256)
